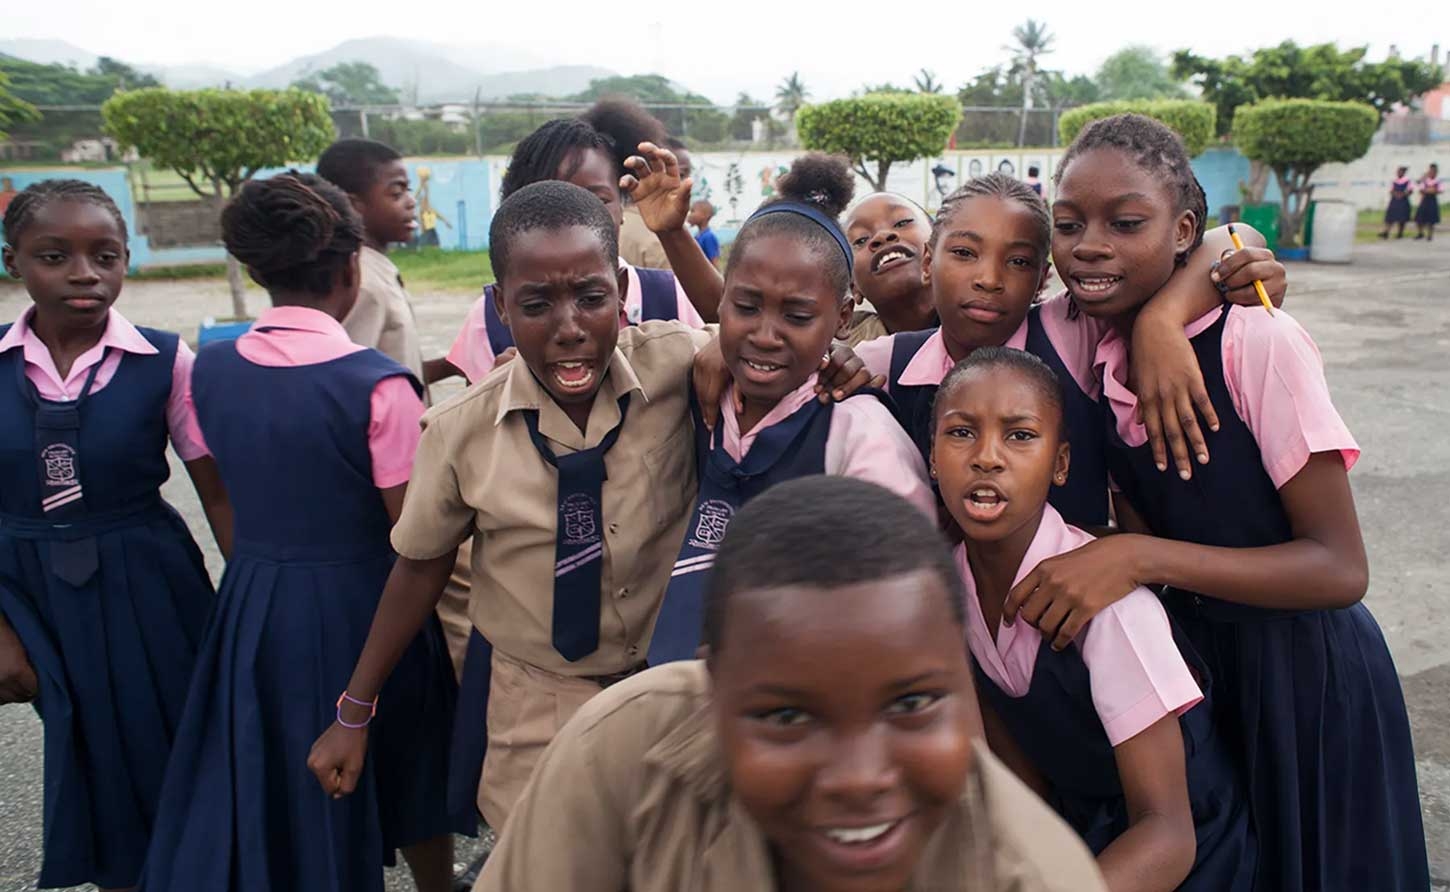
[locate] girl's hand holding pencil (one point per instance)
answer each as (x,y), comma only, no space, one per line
(1242,274)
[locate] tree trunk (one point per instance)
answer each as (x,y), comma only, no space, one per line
(235,280)
(1026,106)
(1252,190)
(1296,192)
(882,168)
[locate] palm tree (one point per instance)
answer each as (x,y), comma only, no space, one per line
(1033,41)
(926,82)
(791,95)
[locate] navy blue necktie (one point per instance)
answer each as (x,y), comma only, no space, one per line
(722,492)
(579,542)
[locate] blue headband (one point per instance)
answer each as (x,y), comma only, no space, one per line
(812,213)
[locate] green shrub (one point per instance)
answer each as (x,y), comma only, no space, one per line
(1190,119)
(880,129)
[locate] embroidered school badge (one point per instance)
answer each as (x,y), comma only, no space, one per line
(714,518)
(60,464)
(579,513)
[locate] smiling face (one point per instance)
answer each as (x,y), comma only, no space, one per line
(846,724)
(985,267)
(560,299)
(888,235)
(388,209)
(1116,232)
(593,170)
(997,452)
(72,258)
(777,318)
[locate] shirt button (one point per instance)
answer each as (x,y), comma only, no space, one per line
(614,528)
(624,593)
(632,650)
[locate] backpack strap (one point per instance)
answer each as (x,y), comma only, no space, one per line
(657,294)
(499,336)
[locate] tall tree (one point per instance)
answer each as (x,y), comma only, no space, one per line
(1136,72)
(124,76)
(791,95)
(880,129)
(349,83)
(926,82)
(13,108)
(1031,41)
(216,140)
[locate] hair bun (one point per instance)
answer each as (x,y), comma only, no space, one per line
(816,178)
(287,224)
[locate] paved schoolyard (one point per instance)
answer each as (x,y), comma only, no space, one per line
(1383,324)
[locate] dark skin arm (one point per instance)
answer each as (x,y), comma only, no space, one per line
(1005,748)
(439,369)
(409,598)
(18,683)
(1322,568)
(214,501)
(1164,372)
(663,201)
(1156,852)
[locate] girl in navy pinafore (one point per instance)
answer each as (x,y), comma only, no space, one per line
(102,588)
(1265,560)
(295,438)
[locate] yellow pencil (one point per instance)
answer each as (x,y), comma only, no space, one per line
(1258,285)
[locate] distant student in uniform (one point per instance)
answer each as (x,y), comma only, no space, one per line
(104,596)
(701,213)
(1397,212)
(986,261)
(572,151)
(1115,732)
(830,742)
(787,291)
(1032,180)
(573,463)
(314,437)
(376,181)
(888,235)
(1427,215)
(1261,549)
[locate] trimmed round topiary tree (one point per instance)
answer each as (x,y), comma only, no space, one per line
(1293,138)
(1189,118)
(880,129)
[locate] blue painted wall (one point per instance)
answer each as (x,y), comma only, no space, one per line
(1220,171)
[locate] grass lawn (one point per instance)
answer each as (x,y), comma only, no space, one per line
(422,269)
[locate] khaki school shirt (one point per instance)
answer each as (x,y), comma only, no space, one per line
(478,474)
(633,795)
(865,326)
(638,246)
(383,316)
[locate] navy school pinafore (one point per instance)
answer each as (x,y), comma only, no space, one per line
(657,301)
(1083,500)
(239,809)
(1309,700)
(1058,728)
(111,602)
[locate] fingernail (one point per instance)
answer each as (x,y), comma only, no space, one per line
(1213,427)
(1162,466)
(840,394)
(1203,458)
(1185,474)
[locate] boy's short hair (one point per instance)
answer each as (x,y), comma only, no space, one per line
(352,164)
(1032,171)
(824,532)
(703,204)
(549,205)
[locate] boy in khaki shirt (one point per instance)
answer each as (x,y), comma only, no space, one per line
(830,742)
(572,470)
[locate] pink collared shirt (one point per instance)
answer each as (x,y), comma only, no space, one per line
(1275,377)
(864,441)
(1137,673)
(299,336)
(1074,340)
(119,337)
(472,354)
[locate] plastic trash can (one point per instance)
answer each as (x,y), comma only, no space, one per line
(1264,218)
(225,330)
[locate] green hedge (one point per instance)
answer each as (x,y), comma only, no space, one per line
(1191,119)
(1304,132)
(883,128)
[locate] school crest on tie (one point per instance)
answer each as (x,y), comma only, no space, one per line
(710,524)
(60,464)
(579,513)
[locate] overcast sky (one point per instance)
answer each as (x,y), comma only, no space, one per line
(723,46)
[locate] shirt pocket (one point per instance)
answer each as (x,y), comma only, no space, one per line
(670,471)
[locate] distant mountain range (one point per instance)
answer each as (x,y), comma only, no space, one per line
(440,73)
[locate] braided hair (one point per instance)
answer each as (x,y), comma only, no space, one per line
(824,181)
(293,232)
(542,154)
(999,185)
(24,206)
(1156,148)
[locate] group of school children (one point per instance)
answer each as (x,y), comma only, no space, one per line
(1088,618)
(1426,216)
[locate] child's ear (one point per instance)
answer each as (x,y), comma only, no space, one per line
(1060,466)
(1183,235)
(357,203)
(926,265)
(623,278)
(499,304)
(1046,277)
(843,318)
(9,256)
